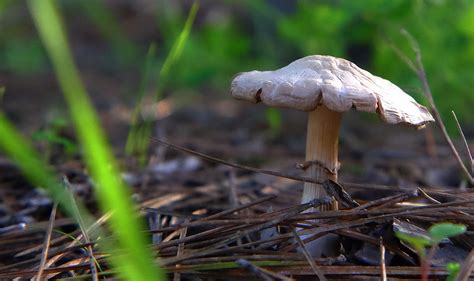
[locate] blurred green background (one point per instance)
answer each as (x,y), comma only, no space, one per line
(111,38)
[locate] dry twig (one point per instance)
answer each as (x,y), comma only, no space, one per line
(47,239)
(291,177)
(184,231)
(419,70)
(383,270)
(466,267)
(310,260)
(464,140)
(262,273)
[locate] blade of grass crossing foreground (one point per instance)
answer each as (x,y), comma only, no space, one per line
(136,262)
(35,170)
(31,165)
(140,134)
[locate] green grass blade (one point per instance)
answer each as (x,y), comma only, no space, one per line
(37,172)
(178,46)
(135,135)
(136,262)
(31,164)
(140,134)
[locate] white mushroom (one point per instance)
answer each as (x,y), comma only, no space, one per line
(326,87)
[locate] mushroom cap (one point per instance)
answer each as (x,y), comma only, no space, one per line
(334,82)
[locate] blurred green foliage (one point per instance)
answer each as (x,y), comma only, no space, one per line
(2,93)
(23,55)
(453,268)
(363,31)
(234,36)
(211,55)
(274,121)
(124,51)
(52,135)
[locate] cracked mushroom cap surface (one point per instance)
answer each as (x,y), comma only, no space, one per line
(334,82)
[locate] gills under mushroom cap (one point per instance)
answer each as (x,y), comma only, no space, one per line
(337,83)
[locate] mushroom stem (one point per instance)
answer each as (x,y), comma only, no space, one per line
(321,150)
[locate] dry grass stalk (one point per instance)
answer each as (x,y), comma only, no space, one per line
(47,239)
(466,145)
(308,257)
(420,72)
(383,269)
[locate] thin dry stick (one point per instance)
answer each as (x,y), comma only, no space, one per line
(250,257)
(11,228)
(93,228)
(38,248)
(47,239)
(31,273)
(262,273)
(382,261)
(252,169)
(233,195)
(232,238)
(429,198)
(421,73)
(184,231)
(215,216)
(287,176)
(255,270)
(310,260)
(466,267)
(387,200)
(464,140)
(275,221)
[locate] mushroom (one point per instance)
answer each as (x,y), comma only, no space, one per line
(327,86)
